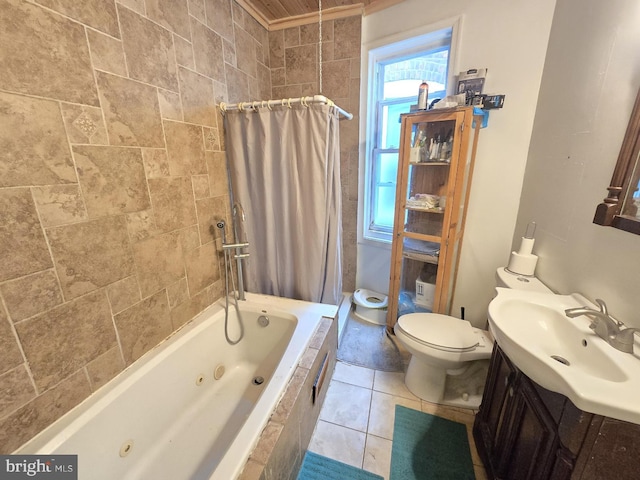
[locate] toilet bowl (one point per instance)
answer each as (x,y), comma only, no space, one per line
(370,306)
(442,346)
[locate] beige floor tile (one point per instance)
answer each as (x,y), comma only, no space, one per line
(354,375)
(382,414)
(393,384)
(347,405)
(356,421)
(377,456)
(339,443)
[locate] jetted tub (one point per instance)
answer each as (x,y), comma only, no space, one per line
(193,407)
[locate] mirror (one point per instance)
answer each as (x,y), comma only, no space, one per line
(621,208)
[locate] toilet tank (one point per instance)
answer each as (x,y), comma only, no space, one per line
(506,279)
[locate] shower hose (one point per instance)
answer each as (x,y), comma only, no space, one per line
(228,272)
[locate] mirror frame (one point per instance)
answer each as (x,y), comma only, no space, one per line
(608,212)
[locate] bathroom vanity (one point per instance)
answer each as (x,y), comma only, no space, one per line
(435,164)
(524,431)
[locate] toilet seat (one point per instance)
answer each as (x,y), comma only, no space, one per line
(370,299)
(438,331)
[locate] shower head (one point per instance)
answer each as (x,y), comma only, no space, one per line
(220,224)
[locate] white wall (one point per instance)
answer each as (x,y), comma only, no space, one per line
(510,39)
(591,78)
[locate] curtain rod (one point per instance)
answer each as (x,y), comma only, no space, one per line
(284,102)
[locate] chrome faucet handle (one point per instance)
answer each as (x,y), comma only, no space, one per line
(603,306)
(605,311)
(603,326)
(624,340)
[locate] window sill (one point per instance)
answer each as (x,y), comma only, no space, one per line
(379,240)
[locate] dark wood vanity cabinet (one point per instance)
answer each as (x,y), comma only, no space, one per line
(525,432)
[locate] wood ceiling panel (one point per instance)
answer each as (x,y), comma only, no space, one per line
(279,12)
(271,9)
(299,7)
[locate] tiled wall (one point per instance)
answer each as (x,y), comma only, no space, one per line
(294,72)
(111,171)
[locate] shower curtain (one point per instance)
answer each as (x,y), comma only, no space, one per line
(284,166)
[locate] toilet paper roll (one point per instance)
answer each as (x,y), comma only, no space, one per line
(522,264)
(526,246)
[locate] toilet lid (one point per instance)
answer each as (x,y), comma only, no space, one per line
(439,331)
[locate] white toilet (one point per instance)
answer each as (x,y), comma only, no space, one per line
(370,306)
(441,345)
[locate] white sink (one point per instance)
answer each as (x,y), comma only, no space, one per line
(564,355)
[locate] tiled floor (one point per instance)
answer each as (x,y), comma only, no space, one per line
(356,421)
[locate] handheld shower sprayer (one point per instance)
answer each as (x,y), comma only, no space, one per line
(221,226)
(228,274)
(231,251)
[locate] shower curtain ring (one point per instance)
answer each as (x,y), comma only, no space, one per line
(223,107)
(289,102)
(253,105)
(241,106)
(269,105)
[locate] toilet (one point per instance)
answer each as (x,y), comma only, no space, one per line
(370,306)
(442,346)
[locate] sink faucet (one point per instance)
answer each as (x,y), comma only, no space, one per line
(612,331)
(624,340)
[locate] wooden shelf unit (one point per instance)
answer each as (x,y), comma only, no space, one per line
(449,179)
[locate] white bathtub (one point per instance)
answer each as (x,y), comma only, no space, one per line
(168,417)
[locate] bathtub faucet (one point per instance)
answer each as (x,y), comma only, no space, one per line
(230,246)
(234,251)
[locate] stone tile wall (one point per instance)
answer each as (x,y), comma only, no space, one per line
(111,171)
(294,72)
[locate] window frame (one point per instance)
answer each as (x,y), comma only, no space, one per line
(391,50)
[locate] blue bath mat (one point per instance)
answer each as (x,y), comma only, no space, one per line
(317,467)
(426,447)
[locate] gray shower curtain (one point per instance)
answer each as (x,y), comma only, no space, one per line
(284,166)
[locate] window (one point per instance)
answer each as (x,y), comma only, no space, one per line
(396,71)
